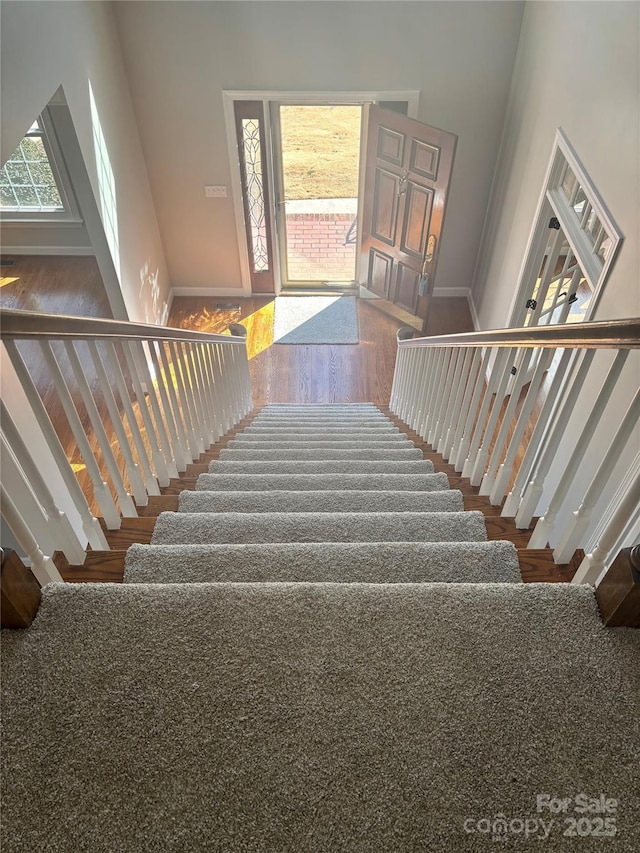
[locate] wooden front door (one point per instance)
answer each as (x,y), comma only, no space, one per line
(408,169)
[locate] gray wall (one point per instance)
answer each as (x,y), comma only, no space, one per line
(179,57)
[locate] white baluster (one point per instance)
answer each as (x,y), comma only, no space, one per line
(544,527)
(469,379)
(435,367)
(150,481)
(159,460)
(423,388)
(500,393)
(194,429)
(127,507)
(464,444)
(42,567)
(438,395)
(454,413)
(133,472)
(90,523)
(197,393)
(62,532)
(498,474)
(135,356)
(397,379)
(170,406)
(215,380)
(512,503)
(594,563)
(451,394)
(579,522)
(178,449)
(101,491)
(491,384)
(207,397)
(183,418)
(421,378)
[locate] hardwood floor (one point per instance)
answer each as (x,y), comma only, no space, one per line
(318,374)
(52,284)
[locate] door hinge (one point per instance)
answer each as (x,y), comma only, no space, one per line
(531,303)
(514,370)
(573,298)
(554,222)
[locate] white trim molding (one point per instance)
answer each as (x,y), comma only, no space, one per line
(207,292)
(47,250)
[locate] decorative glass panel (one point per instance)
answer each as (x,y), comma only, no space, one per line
(579,203)
(569,182)
(27,182)
(255,192)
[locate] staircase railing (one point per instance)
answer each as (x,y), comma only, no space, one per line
(501,405)
(134,404)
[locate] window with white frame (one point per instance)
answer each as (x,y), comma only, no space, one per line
(34,184)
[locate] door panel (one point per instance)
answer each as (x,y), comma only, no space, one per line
(415,229)
(385,207)
(406,293)
(408,170)
(379,273)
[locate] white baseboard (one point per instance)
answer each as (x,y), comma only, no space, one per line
(209,292)
(47,250)
(451,292)
(474,313)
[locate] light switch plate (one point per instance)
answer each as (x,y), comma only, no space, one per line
(215,192)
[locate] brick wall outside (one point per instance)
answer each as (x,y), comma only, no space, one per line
(316,248)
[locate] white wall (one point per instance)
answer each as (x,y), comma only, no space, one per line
(577,68)
(180,56)
(75,45)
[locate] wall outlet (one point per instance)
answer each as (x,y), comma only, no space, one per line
(215,192)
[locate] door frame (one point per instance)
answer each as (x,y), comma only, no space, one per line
(411,96)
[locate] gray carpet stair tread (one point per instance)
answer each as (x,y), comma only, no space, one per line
(323,424)
(347,417)
(305,482)
(364,453)
(323,412)
(319,407)
(382,428)
(322,717)
(341,439)
(326,466)
(321,562)
(321,501)
(180,528)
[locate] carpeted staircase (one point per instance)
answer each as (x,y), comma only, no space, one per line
(319,651)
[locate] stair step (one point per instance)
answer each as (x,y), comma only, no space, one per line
(323,716)
(339,439)
(328,466)
(364,452)
(336,562)
(321,501)
(235,527)
(299,429)
(304,482)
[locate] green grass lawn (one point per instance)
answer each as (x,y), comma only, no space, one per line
(321,151)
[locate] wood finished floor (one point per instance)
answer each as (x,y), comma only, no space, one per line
(282,373)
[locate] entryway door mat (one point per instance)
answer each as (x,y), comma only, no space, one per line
(315,320)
